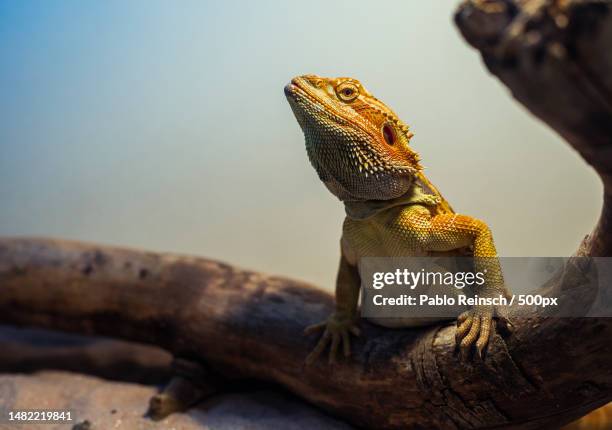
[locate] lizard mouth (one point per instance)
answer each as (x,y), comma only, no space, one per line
(297,89)
(290,90)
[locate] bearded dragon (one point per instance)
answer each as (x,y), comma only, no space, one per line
(360,150)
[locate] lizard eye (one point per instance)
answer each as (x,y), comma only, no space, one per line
(347,91)
(389,134)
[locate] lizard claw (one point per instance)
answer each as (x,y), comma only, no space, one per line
(336,331)
(474,329)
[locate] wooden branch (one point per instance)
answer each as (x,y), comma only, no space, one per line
(555,58)
(248,325)
(27,351)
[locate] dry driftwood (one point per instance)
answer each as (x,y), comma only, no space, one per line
(247,325)
(554,57)
(31,350)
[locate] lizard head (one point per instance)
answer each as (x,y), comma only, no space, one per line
(357,145)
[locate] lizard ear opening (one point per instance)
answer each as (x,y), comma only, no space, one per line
(389,134)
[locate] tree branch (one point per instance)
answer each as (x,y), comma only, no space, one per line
(248,325)
(29,351)
(555,58)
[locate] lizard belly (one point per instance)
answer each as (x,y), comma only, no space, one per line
(384,236)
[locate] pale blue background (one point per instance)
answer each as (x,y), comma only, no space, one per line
(163,125)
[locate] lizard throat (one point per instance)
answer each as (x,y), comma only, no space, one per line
(416,195)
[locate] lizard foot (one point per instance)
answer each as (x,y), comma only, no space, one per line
(476,327)
(336,329)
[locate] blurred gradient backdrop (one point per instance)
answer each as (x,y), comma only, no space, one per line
(163,125)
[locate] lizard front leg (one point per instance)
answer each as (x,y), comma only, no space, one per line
(343,322)
(448,231)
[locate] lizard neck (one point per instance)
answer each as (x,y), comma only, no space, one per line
(364,209)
